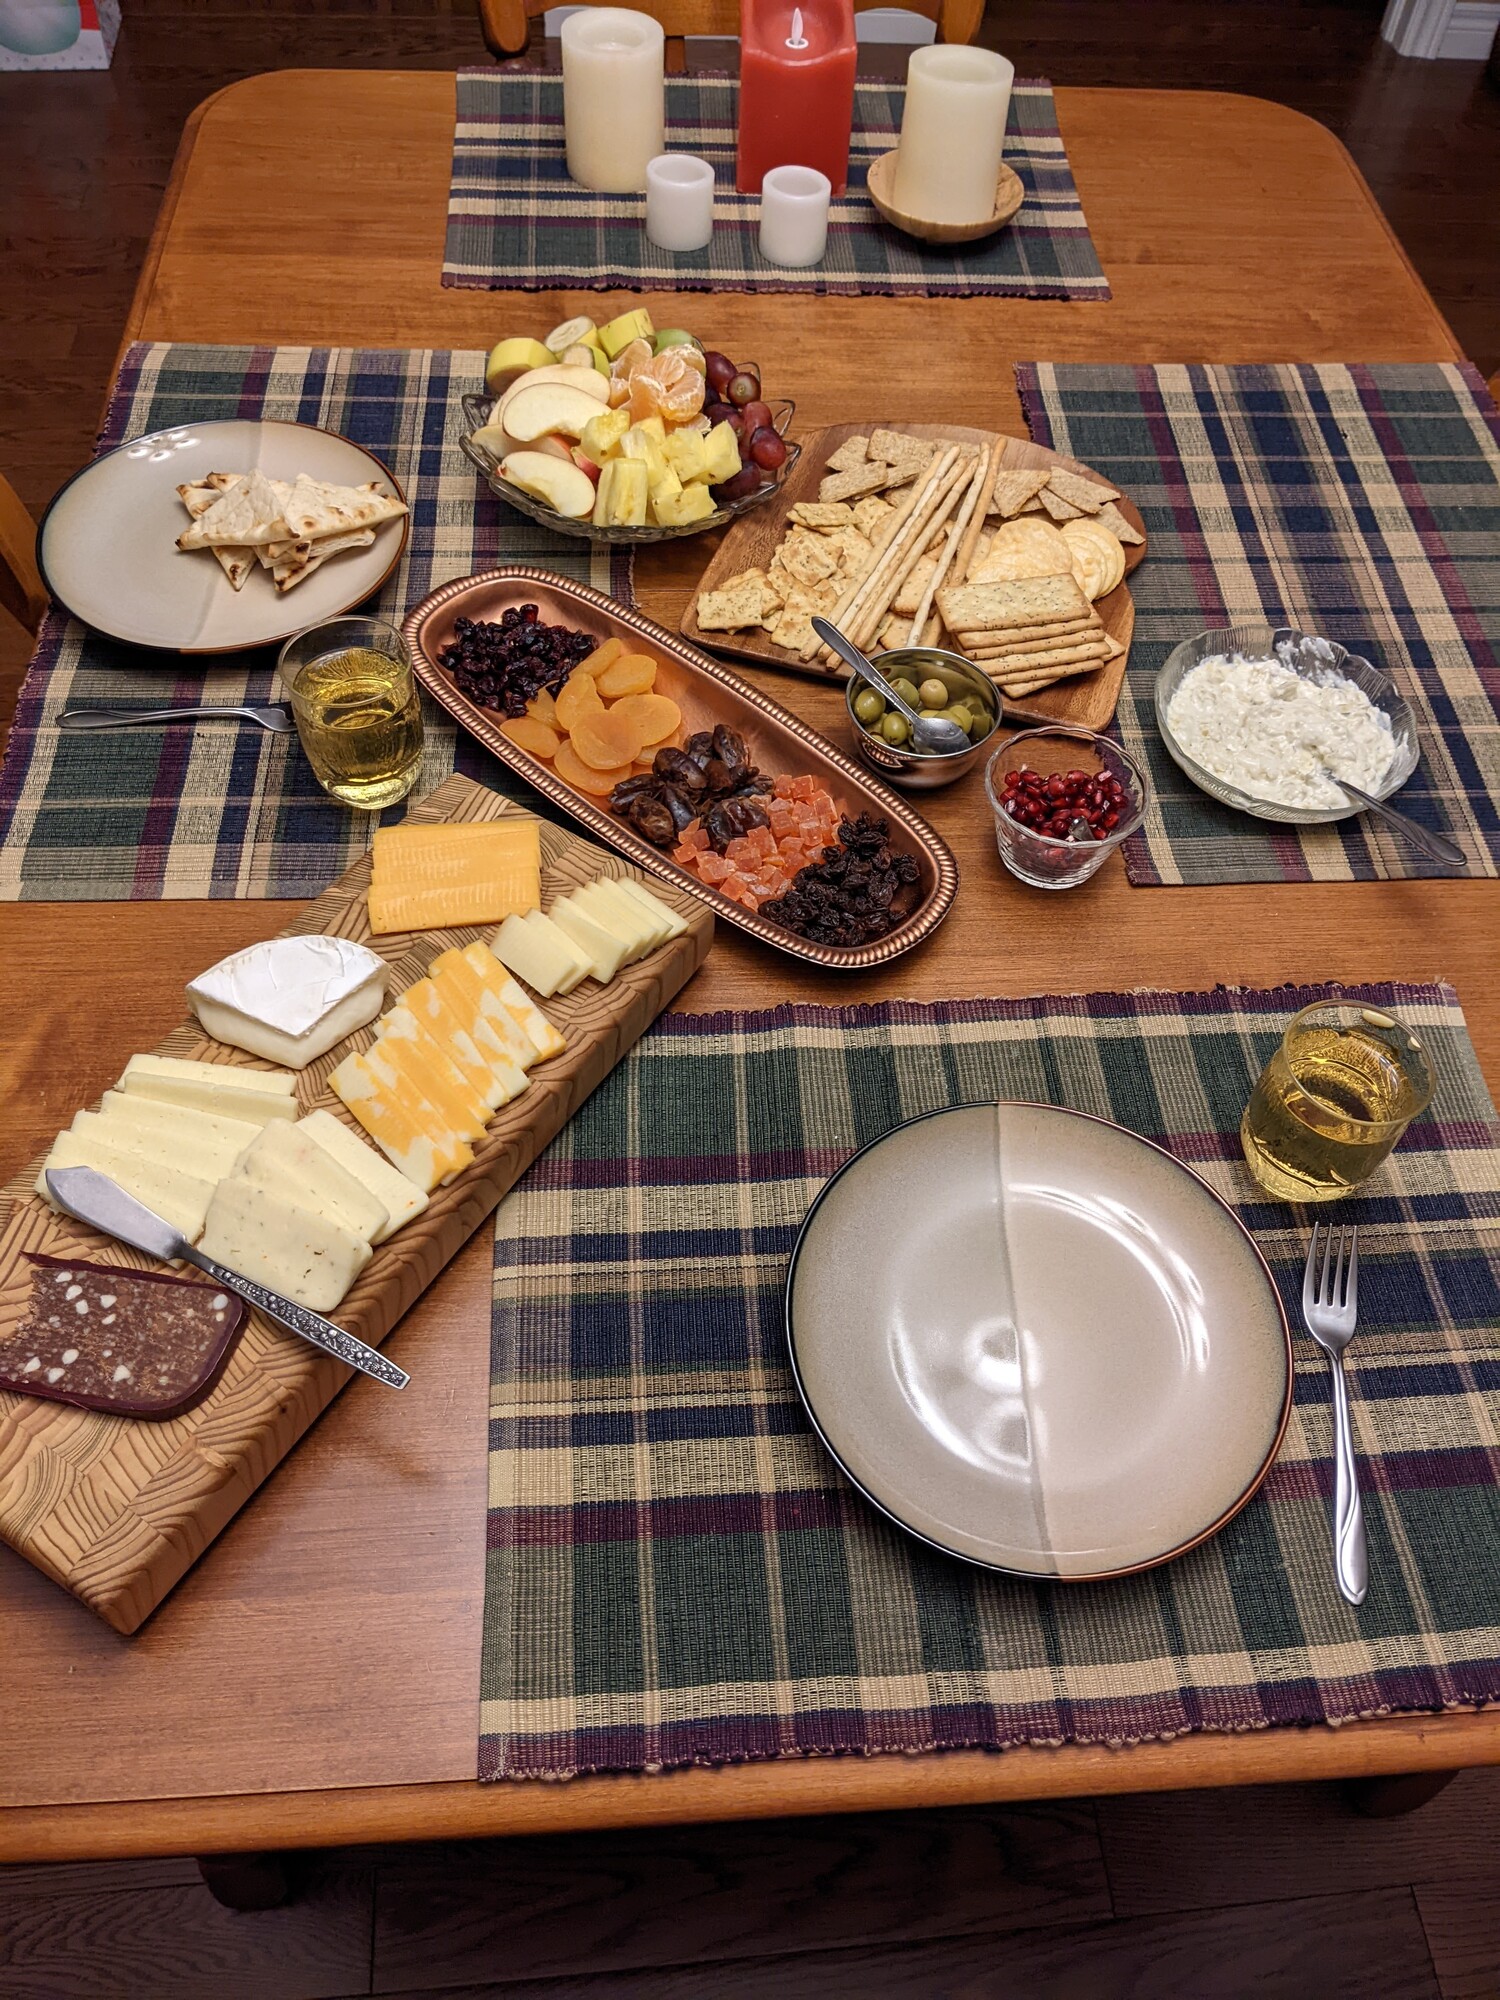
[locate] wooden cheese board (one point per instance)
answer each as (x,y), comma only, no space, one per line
(116,1509)
(1089,700)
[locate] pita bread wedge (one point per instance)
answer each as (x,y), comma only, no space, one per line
(244,515)
(198,496)
(300,559)
(315,509)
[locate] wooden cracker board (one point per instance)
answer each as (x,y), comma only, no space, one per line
(116,1509)
(1087,699)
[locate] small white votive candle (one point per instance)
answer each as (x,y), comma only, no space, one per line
(952,133)
(679,202)
(794,216)
(614,98)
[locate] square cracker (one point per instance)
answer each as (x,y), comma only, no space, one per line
(853,485)
(793,627)
(909,597)
(852,452)
(869,512)
(1014,666)
(1023,684)
(737,605)
(1110,517)
(807,557)
(1013,488)
(1031,600)
(822,514)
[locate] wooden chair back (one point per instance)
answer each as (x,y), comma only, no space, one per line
(21,590)
(506,24)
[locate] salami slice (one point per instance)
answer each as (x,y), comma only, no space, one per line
(135,1343)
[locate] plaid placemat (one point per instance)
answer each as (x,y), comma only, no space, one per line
(677,1573)
(1361,502)
(516,221)
(209,810)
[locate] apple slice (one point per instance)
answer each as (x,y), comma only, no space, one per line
(584,463)
(589,380)
(551,406)
(557,481)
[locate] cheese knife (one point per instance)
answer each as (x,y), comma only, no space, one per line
(100,1202)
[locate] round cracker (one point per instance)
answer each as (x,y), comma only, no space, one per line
(1024,548)
(1088,534)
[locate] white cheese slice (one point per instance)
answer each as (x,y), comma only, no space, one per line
(290,999)
(290,1162)
(606,953)
(542,959)
(177,1197)
(191,1152)
(622,918)
(224,1092)
(675,926)
(259,1234)
(411,1132)
(153,1115)
(544,927)
(402,1199)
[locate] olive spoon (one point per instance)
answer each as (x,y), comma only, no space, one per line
(935,735)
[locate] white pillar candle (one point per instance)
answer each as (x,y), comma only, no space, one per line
(679,202)
(794,216)
(614,100)
(952,133)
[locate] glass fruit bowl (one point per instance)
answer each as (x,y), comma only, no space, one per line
(476,414)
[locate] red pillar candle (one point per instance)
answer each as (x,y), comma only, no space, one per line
(796,88)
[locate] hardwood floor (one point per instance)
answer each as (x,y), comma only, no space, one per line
(1277,1893)
(1272,1892)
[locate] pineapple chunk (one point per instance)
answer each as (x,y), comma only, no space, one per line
(721,453)
(601,435)
(684,452)
(680,510)
(664,486)
(624,489)
(639,443)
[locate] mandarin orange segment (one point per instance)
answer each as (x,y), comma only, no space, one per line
(657,716)
(605,739)
(571,768)
(602,658)
(540,738)
(577,697)
(634,673)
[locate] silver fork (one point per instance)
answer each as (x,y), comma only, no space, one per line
(1330,1306)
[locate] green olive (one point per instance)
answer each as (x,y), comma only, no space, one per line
(933,693)
(869,706)
(895,728)
(907,691)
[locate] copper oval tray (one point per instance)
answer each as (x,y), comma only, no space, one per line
(777,740)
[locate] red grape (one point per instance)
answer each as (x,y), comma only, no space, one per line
(743,389)
(720,371)
(758,417)
(736,422)
(767,449)
(746,480)
(718,413)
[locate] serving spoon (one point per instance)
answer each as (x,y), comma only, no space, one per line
(1437,846)
(276,716)
(934,735)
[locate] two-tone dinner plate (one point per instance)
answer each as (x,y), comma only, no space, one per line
(1038,1341)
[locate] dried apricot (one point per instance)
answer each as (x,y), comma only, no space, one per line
(602,658)
(583,777)
(542,707)
(606,739)
(578,696)
(634,673)
(540,738)
(655,715)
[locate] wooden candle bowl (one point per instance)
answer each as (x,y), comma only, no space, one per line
(881,181)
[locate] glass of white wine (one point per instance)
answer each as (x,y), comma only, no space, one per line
(1334,1099)
(357,709)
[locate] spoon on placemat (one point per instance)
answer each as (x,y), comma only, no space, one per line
(276,715)
(1437,846)
(931,733)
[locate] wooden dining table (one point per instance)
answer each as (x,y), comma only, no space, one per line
(315,1678)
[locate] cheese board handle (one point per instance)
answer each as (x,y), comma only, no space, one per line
(301,1320)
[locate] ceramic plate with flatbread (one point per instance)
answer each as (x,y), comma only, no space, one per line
(108,543)
(1038,1341)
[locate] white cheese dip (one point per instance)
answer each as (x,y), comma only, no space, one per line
(1268,731)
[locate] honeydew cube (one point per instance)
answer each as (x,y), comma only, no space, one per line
(686,454)
(680,510)
(602,434)
(676,926)
(721,455)
(605,951)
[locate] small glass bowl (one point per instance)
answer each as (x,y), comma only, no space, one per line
(1038,858)
(477,415)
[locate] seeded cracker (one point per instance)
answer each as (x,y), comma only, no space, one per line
(869,512)
(1089,494)
(852,485)
(1057,507)
(734,608)
(1110,517)
(1013,488)
(818,514)
(852,452)
(985,607)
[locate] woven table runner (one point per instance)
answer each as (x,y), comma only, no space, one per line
(1359,502)
(677,1573)
(210,810)
(516,220)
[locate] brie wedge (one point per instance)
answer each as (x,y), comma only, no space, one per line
(290,999)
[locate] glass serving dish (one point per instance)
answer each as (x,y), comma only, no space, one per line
(476,415)
(1313,658)
(1038,858)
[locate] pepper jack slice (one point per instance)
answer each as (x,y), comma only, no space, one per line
(287,1160)
(407,1129)
(259,1234)
(401,1197)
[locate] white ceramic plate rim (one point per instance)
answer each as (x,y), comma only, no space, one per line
(962,1555)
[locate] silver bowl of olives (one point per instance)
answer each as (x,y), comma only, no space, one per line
(933,682)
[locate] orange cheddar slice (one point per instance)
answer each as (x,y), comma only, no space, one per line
(433,877)
(490,1073)
(407,1129)
(414,1055)
(458,979)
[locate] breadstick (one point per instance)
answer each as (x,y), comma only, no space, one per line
(867,619)
(958,533)
(904,551)
(854,589)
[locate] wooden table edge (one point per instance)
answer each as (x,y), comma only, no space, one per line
(792,1787)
